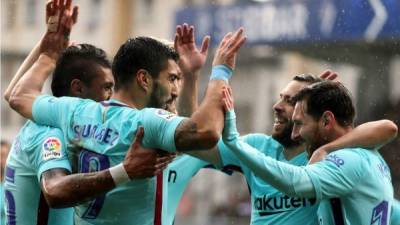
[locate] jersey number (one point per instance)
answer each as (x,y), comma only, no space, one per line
(10,202)
(380,213)
(91,162)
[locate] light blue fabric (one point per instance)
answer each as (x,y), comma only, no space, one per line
(221,72)
(269,205)
(104,132)
(35,150)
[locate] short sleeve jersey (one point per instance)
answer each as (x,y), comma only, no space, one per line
(104,132)
(354,187)
(269,205)
(35,150)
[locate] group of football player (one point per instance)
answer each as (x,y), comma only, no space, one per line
(118,142)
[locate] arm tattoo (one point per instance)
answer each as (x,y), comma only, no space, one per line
(186,136)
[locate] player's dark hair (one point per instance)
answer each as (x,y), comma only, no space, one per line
(140,53)
(77,62)
(328,96)
(308,78)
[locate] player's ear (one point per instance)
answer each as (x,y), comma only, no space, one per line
(144,79)
(327,119)
(76,88)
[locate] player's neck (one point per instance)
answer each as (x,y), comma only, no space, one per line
(293,151)
(127,98)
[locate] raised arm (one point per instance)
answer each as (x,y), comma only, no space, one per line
(61,18)
(61,189)
(370,135)
(32,56)
(191,60)
(203,129)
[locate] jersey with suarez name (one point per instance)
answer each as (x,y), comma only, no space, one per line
(269,205)
(35,150)
(105,131)
(354,187)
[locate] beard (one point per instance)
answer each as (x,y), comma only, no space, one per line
(284,137)
(157,97)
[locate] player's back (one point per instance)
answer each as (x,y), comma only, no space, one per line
(369,202)
(104,132)
(34,151)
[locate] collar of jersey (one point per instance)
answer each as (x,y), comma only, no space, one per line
(114,102)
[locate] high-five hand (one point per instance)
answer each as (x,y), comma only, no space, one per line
(60,16)
(191,59)
(228,49)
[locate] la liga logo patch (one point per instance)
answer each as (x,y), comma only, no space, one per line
(51,148)
(165,114)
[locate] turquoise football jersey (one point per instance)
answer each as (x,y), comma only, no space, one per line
(2,214)
(269,205)
(395,217)
(354,187)
(175,179)
(35,150)
(105,131)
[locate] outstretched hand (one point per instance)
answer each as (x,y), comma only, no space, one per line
(230,134)
(191,59)
(61,15)
(141,162)
(228,49)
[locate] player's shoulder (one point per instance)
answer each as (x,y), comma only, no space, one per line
(33,134)
(349,157)
(161,113)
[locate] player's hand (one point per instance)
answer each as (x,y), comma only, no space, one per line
(61,15)
(228,49)
(141,162)
(227,99)
(329,75)
(230,135)
(318,155)
(191,59)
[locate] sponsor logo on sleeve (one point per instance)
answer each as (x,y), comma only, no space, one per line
(51,148)
(335,159)
(165,114)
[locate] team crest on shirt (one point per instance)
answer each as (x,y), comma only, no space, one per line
(165,114)
(51,148)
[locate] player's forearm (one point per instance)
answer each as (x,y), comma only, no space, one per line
(28,62)
(30,85)
(203,130)
(71,190)
(289,179)
(188,98)
(370,135)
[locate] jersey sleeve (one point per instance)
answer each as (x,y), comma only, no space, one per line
(52,111)
(338,174)
(159,128)
(52,153)
(395,216)
(227,157)
(230,161)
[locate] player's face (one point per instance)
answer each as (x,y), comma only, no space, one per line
(166,87)
(283,111)
(100,87)
(306,127)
